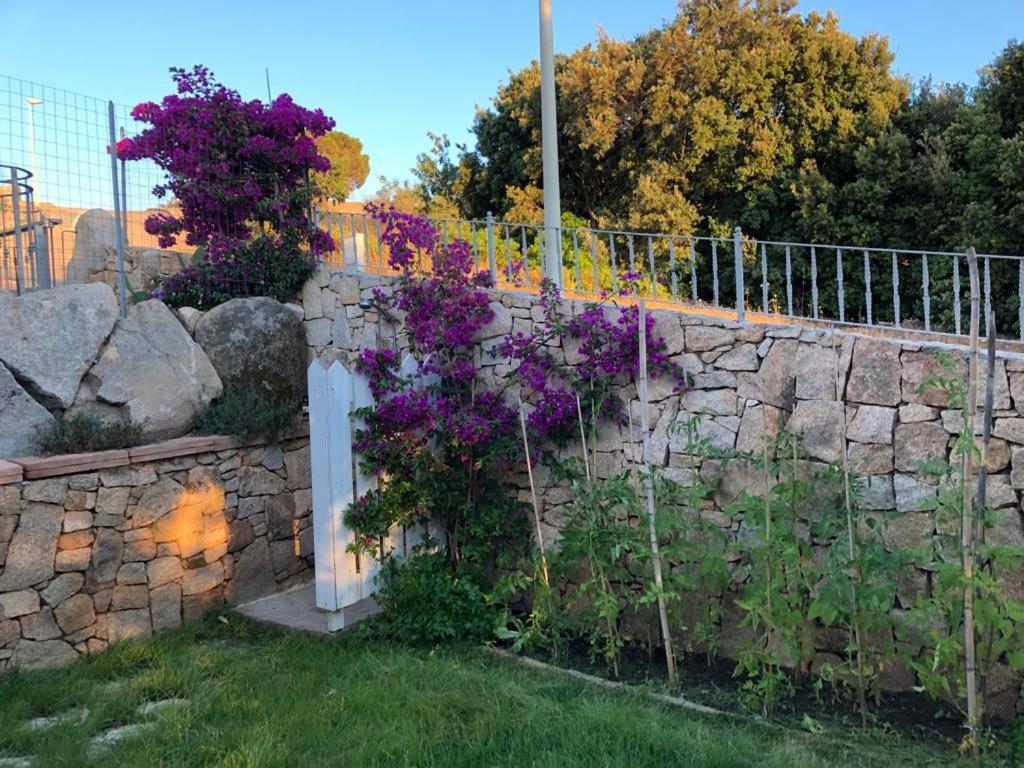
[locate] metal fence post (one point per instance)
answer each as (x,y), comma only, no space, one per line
(118,230)
(492,261)
(737,252)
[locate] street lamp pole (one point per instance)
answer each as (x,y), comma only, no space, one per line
(549,147)
(32,102)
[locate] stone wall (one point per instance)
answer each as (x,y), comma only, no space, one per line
(749,380)
(95,548)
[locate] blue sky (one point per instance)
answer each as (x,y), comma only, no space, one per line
(391,70)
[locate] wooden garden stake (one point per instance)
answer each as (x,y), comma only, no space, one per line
(666,635)
(533,495)
(986,438)
(855,630)
(966,517)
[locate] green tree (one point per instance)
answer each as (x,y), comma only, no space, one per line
(349,166)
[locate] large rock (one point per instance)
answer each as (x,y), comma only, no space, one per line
(21,417)
(30,557)
(153,373)
(256,342)
(874,373)
(51,337)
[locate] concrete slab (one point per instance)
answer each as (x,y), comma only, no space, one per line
(296,609)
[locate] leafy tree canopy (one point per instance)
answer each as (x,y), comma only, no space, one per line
(349,166)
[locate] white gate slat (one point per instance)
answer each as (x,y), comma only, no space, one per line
(340,391)
(325,551)
(341,579)
(363,398)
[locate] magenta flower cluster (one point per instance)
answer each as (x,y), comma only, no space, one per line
(234,167)
(608,352)
(446,432)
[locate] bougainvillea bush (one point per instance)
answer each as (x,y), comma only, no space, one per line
(238,171)
(445,438)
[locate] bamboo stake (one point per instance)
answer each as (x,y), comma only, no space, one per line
(666,636)
(533,495)
(979,509)
(855,629)
(966,516)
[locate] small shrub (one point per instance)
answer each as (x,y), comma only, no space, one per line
(427,602)
(262,267)
(83,432)
(247,413)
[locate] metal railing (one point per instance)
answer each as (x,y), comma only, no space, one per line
(914,290)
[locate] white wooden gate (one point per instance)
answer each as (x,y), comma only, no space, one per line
(342,578)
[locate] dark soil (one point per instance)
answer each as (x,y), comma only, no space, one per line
(911,714)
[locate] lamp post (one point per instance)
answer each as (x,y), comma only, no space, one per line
(32,102)
(549,147)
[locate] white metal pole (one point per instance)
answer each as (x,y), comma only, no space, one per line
(32,103)
(549,145)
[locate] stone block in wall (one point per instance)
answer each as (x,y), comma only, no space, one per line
(124,625)
(918,367)
(31,654)
(107,552)
(20,603)
(775,382)
(200,580)
(870,459)
(913,412)
(254,573)
(815,372)
(919,442)
(872,424)
(33,547)
(741,358)
(702,338)
(913,495)
(165,607)
(75,613)
(61,588)
(876,493)
(821,424)
(257,481)
(874,376)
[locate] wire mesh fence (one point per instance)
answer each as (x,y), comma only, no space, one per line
(70,212)
(60,140)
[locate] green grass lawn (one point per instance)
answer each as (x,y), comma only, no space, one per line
(257,697)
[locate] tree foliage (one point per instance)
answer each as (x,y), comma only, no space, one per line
(349,166)
(750,113)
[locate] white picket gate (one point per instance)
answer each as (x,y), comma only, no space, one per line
(342,578)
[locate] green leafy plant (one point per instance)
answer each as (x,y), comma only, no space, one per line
(601,557)
(427,602)
(247,413)
(695,544)
(84,432)
(781,574)
(938,650)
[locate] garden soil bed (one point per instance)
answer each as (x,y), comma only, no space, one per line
(910,714)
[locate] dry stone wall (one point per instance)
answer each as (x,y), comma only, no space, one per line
(121,546)
(751,380)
